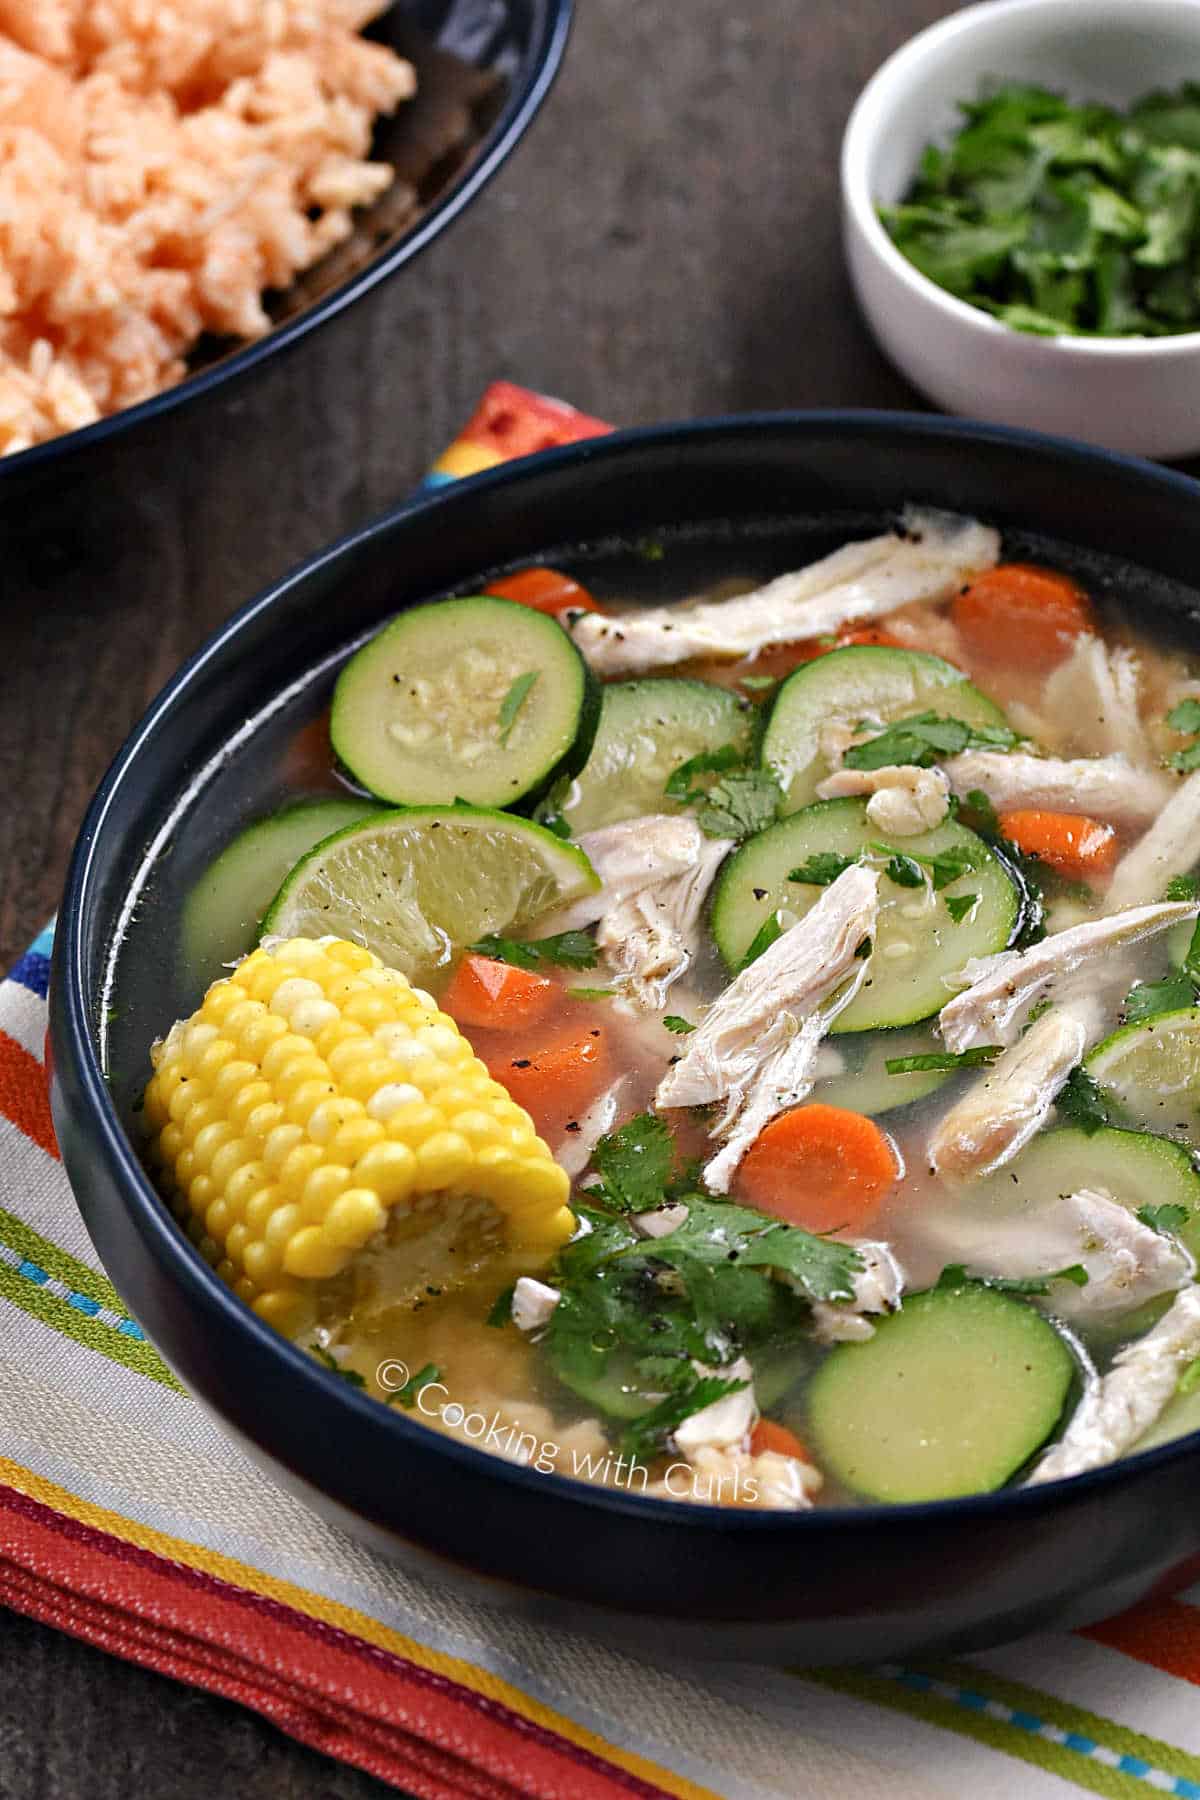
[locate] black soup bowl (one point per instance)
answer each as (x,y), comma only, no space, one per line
(648,513)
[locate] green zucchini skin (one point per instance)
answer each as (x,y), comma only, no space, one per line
(860,681)
(223,911)
(647,729)
(418,712)
(952,1395)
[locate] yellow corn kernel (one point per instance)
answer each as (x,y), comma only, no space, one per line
(312,1094)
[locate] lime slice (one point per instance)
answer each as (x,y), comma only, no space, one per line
(417,884)
(1152,1071)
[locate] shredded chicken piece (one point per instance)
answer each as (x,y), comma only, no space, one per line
(932,556)
(1094,698)
(1012,1099)
(756,1047)
(1127,1262)
(629,857)
(1124,1404)
(533,1302)
(904,800)
(575,1151)
(878,1286)
(1001,990)
(648,940)
(725,1424)
(1170,847)
(1104,787)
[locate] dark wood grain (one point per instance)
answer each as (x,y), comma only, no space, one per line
(665,243)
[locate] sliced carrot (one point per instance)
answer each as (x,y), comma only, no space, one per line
(821,1167)
(497,995)
(1021,615)
(558,1083)
(767,1435)
(308,762)
(546,590)
(1071,843)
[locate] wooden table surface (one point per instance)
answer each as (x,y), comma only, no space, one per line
(665,243)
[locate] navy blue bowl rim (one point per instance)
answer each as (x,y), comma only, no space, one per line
(521,106)
(75,1048)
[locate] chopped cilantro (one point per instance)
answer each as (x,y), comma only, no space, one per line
(406,1396)
(959,905)
(740,804)
(501,1311)
(679,1026)
(764,937)
(1063,219)
(708,762)
(822,869)
(514,700)
(983,814)
(1148,998)
(592,993)
(904,866)
(955,1275)
(634,1164)
(1185,717)
(1168,1218)
(331,1362)
(943,1060)
(923,738)
(1082,1103)
(646,1437)
(1183,887)
(566,950)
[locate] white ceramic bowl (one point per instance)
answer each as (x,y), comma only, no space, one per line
(1140,394)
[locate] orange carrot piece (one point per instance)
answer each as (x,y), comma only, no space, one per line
(1071,843)
(1021,615)
(308,761)
(495,994)
(768,1435)
(558,1083)
(546,590)
(821,1167)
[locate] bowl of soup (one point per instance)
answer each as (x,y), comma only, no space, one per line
(652,1067)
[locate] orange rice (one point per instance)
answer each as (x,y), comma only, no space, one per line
(162,164)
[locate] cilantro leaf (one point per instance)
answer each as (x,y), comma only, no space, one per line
(351,1376)
(634,1164)
(646,1437)
(764,937)
(1185,717)
(680,1027)
(407,1395)
(822,868)
(1082,1103)
(955,1275)
(566,950)
(959,905)
(947,1060)
(1148,998)
(1186,760)
(501,1311)
(923,738)
(708,762)
(740,804)
(514,700)
(1168,1218)
(904,866)
(1183,887)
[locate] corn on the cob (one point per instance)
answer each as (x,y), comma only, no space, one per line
(313,1093)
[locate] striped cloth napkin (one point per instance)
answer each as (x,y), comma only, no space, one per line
(128,1520)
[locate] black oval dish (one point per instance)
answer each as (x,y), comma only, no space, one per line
(484,67)
(816,1587)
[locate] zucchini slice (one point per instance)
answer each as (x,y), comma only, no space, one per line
(646,730)
(865,1086)
(224,909)
(1134,1167)
(863,681)
(479,699)
(952,1395)
(1152,1072)
(917,942)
